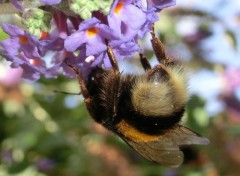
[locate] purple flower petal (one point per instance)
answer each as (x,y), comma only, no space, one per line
(12,30)
(151,18)
(10,45)
(30,73)
(90,35)
(50,2)
(17,4)
(74,41)
(92,49)
(30,51)
(88,23)
(133,17)
(160,4)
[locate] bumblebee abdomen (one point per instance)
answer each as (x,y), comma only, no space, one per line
(153,124)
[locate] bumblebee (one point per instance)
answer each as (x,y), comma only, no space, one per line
(144,110)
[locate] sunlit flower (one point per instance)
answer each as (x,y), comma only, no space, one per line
(20,41)
(32,54)
(122,19)
(72,39)
(92,34)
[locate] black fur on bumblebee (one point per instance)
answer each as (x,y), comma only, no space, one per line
(144,110)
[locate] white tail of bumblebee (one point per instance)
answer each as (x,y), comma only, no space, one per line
(163,97)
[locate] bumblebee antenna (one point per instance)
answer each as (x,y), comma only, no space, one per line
(68,93)
(159,48)
(80,80)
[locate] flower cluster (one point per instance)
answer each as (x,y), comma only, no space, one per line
(75,37)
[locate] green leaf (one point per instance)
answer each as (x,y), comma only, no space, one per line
(3,35)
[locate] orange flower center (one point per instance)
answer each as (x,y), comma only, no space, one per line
(92,32)
(43,35)
(118,8)
(35,62)
(23,39)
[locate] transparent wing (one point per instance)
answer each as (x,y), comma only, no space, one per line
(159,152)
(165,150)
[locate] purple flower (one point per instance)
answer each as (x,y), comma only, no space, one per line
(91,34)
(50,2)
(22,50)
(78,42)
(31,73)
(32,55)
(123,51)
(121,32)
(58,63)
(151,17)
(126,19)
(19,41)
(158,5)
(32,68)
(16,3)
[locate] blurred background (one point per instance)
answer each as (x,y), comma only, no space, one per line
(43,133)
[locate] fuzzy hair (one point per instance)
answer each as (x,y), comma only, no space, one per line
(161,98)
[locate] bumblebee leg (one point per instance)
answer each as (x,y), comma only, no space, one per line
(112,58)
(159,49)
(145,64)
(115,77)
